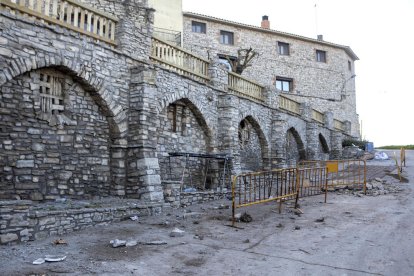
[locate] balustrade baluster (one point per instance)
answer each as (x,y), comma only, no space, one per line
(112,30)
(55,8)
(31,4)
(82,19)
(47,7)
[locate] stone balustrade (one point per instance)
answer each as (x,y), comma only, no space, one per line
(179,60)
(317,116)
(338,125)
(245,87)
(289,105)
(68,14)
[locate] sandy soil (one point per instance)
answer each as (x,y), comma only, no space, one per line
(350,235)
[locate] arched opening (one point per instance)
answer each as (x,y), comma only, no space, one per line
(295,150)
(184,133)
(252,145)
(57,137)
(323,148)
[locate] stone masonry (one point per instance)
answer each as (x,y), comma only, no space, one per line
(83,119)
(327,86)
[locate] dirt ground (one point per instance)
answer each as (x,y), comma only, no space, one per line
(350,235)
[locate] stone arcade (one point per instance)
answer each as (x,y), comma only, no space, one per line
(88,109)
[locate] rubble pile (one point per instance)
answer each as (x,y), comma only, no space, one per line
(375,187)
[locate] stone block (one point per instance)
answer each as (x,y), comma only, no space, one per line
(5,52)
(25,164)
(6,238)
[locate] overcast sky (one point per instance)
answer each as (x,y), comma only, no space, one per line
(380,32)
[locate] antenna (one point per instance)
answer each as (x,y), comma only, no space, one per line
(316,19)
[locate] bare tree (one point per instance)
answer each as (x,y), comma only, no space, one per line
(244,58)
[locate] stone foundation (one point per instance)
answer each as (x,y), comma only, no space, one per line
(25,220)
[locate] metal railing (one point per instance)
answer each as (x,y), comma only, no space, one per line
(173,37)
(342,173)
(338,125)
(179,60)
(289,105)
(318,116)
(260,187)
(245,87)
(277,185)
(69,14)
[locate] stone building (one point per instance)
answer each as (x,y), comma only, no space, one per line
(304,69)
(93,105)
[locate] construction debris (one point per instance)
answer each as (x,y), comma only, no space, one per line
(60,241)
(177,233)
(246,218)
(117,243)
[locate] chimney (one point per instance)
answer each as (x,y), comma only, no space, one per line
(320,37)
(265,22)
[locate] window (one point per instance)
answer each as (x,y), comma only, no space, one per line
(226,38)
(198,27)
(320,56)
(349,65)
(244,133)
(284,84)
(51,93)
(283,48)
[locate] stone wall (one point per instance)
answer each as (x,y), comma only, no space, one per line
(50,154)
(115,116)
(175,197)
(318,83)
(22,220)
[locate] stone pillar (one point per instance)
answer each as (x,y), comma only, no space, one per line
(219,76)
(347,128)
(306,112)
(134,30)
(278,140)
(118,169)
(271,96)
(143,170)
(336,145)
(228,126)
(312,141)
(329,120)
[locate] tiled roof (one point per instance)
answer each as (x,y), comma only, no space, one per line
(347,49)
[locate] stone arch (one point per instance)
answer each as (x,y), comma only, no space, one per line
(80,71)
(194,103)
(184,130)
(295,149)
(252,146)
(67,156)
(199,117)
